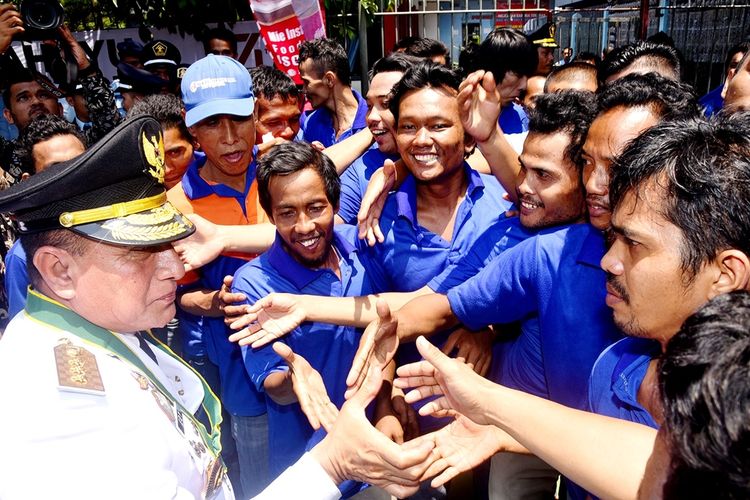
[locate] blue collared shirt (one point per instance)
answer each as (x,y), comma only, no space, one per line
(616,377)
(329,348)
(319,124)
(354,181)
(513,119)
(16,278)
(555,277)
(411,255)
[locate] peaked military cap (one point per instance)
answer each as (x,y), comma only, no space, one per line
(138,80)
(114,192)
(160,52)
(544,36)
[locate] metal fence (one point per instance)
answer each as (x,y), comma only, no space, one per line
(702,32)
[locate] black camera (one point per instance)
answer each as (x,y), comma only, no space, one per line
(41,18)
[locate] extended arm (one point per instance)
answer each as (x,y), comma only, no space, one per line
(345,152)
(604,455)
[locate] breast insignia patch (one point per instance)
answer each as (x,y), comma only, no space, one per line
(77,370)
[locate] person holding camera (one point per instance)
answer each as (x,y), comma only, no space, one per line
(29,94)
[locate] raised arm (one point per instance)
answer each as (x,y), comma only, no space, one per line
(345,152)
(480,105)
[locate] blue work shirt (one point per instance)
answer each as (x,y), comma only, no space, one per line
(354,181)
(513,119)
(238,393)
(712,102)
(319,124)
(616,377)
(329,348)
(412,255)
(556,277)
(16,278)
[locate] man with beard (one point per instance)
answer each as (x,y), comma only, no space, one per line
(299,189)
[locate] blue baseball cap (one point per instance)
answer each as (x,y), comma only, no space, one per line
(216,85)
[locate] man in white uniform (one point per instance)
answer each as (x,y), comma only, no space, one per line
(95,407)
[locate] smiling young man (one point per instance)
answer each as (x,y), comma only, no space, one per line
(220,186)
(299,188)
(386,72)
(339,110)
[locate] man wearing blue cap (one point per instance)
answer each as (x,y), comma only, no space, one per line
(220,186)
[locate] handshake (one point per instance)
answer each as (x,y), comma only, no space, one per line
(354,449)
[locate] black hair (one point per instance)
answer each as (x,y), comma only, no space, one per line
(467,59)
(702,172)
(505,50)
(395,61)
(569,111)
(666,98)
(653,56)
(60,238)
(269,82)
(422,75)
(740,48)
(326,55)
(20,75)
(40,129)
(588,56)
(220,33)
(425,48)
(570,72)
(402,44)
(704,379)
(166,109)
(290,157)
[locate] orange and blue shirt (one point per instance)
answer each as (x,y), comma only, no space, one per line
(206,336)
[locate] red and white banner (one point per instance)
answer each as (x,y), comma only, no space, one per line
(284,25)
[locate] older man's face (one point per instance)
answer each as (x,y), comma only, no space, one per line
(125,289)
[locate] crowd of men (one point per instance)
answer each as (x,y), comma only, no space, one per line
(240,288)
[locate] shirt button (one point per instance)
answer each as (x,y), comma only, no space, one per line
(176,378)
(181,392)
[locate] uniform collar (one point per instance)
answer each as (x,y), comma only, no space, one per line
(406,196)
(196,187)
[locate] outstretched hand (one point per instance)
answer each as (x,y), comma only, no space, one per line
(377,347)
(269,319)
(462,445)
(354,449)
(461,389)
(309,388)
(201,247)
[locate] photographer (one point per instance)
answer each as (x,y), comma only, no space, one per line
(29,94)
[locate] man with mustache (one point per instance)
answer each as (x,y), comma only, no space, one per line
(678,238)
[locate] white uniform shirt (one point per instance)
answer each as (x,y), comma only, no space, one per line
(58,443)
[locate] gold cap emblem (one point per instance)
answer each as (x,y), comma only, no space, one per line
(153,149)
(159,49)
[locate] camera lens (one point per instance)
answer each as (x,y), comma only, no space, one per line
(42,14)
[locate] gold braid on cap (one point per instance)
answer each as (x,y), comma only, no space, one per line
(70,219)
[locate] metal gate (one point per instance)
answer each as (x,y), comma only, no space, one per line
(702,31)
